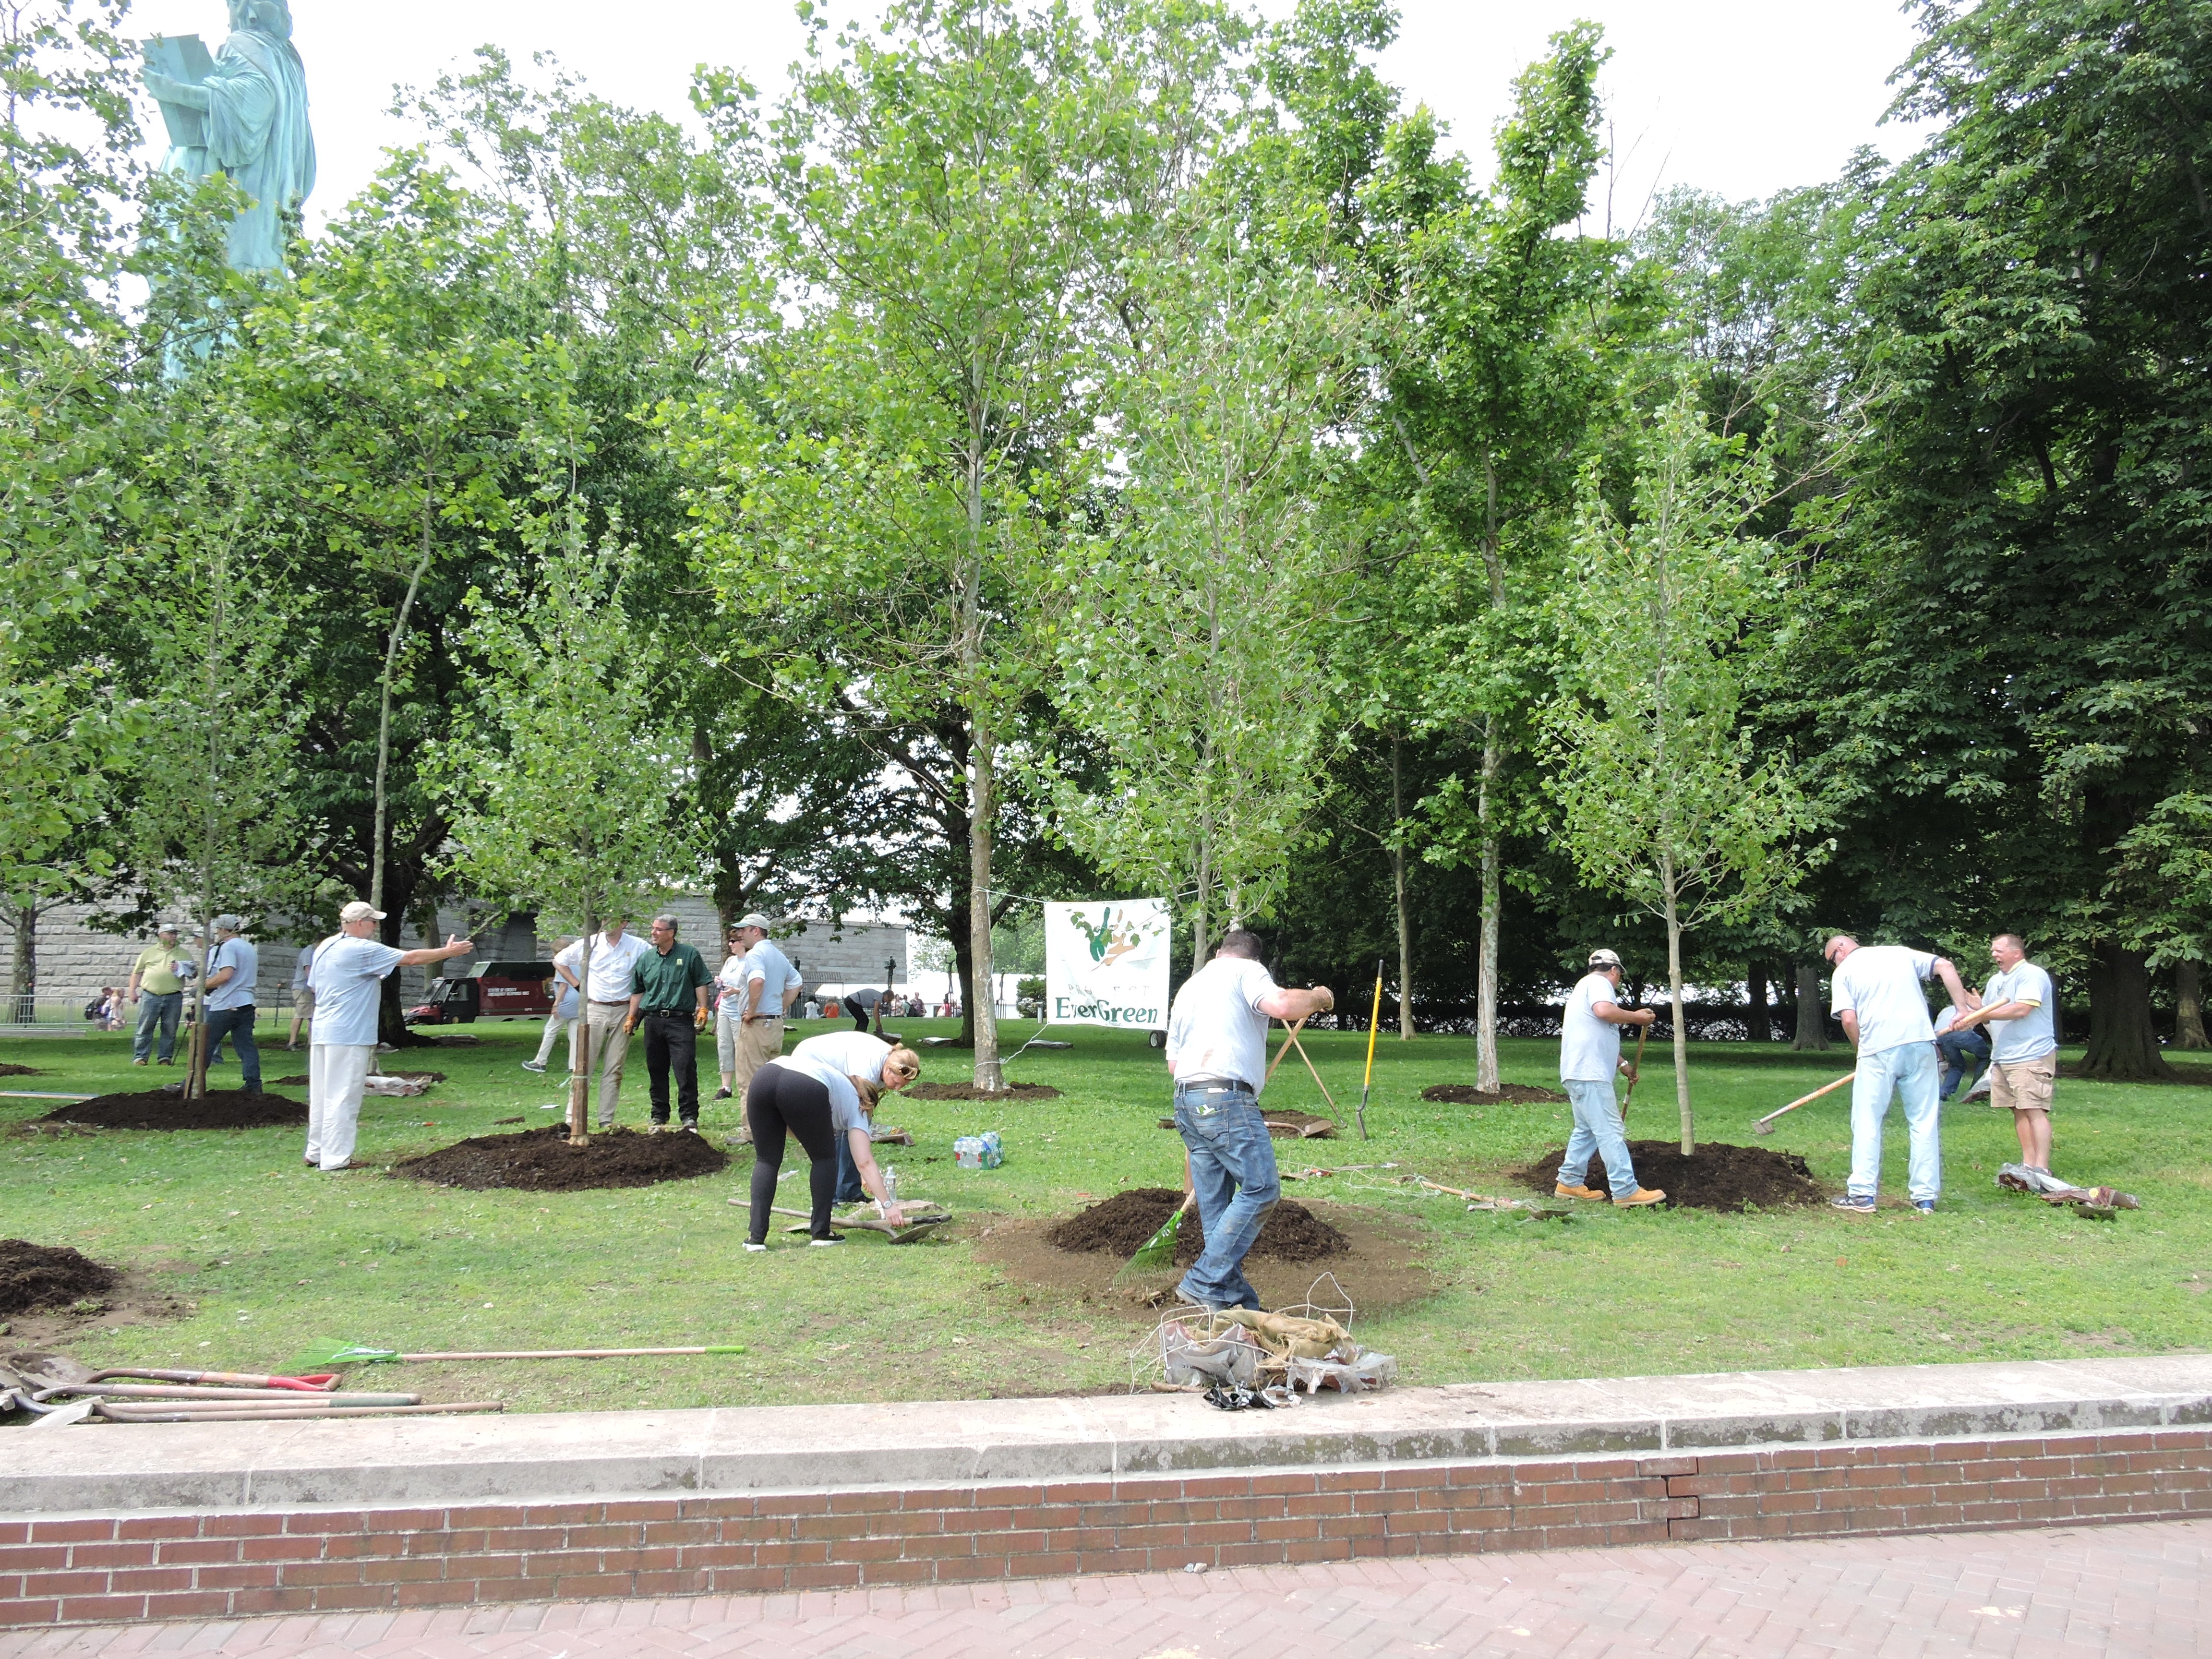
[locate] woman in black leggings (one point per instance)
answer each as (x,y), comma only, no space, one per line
(780,1099)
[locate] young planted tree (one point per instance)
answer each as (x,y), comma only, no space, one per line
(1661,797)
(566,785)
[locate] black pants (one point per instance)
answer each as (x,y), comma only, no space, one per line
(860,1017)
(670,1040)
(780,1099)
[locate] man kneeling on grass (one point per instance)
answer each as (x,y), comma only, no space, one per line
(1589,1058)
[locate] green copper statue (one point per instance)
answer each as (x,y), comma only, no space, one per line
(244,114)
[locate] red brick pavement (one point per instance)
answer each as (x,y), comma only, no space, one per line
(2123,1590)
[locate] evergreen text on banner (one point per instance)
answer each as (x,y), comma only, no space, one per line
(1106,963)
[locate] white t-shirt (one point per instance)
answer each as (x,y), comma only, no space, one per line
(763,963)
(1590,1048)
(610,964)
(348,978)
(2032,1035)
(1945,1018)
(1880,983)
(834,1060)
(1216,1031)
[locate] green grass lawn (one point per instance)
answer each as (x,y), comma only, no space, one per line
(270,1255)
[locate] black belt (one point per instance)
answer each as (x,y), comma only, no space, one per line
(1211,1086)
(670,1014)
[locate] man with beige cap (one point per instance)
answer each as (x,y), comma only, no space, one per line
(1589,1059)
(347,976)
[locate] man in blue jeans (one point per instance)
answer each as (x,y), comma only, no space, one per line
(1218,1056)
(232,967)
(1590,1055)
(1876,995)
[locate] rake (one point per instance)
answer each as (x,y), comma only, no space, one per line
(1766,1125)
(322,1356)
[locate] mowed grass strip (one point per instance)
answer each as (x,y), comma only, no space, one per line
(272,1255)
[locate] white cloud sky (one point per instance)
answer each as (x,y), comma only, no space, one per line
(1741,97)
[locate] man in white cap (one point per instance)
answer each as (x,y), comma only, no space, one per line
(231,969)
(347,976)
(1877,993)
(759,985)
(159,993)
(1589,1058)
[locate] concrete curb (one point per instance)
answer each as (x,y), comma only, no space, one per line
(116,1470)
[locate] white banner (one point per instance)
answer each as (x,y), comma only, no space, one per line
(1106,963)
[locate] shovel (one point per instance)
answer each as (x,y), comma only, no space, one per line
(1766,1125)
(324,1355)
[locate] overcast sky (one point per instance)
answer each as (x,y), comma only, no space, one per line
(1741,97)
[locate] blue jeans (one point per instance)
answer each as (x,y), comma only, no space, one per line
(1963,1054)
(1232,1170)
(1908,1071)
(849,1189)
(237,1025)
(1597,1129)
(161,1008)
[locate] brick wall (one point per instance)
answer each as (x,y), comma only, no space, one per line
(94,1569)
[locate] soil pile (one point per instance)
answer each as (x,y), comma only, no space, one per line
(1288,1125)
(1714,1177)
(1509,1094)
(157,1109)
(19,1071)
(543,1161)
(970,1091)
(1125,1221)
(47,1276)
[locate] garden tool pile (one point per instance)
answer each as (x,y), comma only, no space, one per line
(2103,1203)
(58,1390)
(1243,1360)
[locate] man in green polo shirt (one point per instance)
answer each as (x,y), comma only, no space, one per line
(668,992)
(159,995)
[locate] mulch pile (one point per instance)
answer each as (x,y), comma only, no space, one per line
(19,1071)
(543,1161)
(157,1109)
(1716,1176)
(970,1091)
(47,1276)
(1509,1094)
(1121,1225)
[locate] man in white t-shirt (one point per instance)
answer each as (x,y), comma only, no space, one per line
(347,975)
(2018,1004)
(1589,1058)
(606,1004)
(1877,993)
(1217,1054)
(758,985)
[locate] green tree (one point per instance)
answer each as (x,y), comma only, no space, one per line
(1662,797)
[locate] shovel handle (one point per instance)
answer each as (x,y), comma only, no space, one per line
(1824,1088)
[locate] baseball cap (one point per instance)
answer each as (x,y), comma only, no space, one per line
(1603,959)
(166,927)
(361,910)
(754,919)
(230,924)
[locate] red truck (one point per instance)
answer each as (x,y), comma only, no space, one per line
(491,990)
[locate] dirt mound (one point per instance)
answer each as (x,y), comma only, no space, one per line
(157,1109)
(1125,1221)
(48,1276)
(1715,1177)
(970,1091)
(1509,1094)
(1286,1124)
(19,1071)
(543,1161)
(450,1040)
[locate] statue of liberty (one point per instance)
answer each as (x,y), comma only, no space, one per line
(251,108)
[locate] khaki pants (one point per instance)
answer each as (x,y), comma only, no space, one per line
(335,1073)
(757,1043)
(610,1048)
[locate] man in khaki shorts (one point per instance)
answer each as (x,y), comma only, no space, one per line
(2024,1047)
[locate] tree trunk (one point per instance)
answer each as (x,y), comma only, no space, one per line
(2189,1007)
(1757,1025)
(1485,995)
(1675,1004)
(1398,886)
(580,1086)
(383,706)
(23,967)
(2122,1042)
(1812,1036)
(963,972)
(989,1074)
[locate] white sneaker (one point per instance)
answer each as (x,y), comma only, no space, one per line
(534,1065)
(819,1243)
(753,1247)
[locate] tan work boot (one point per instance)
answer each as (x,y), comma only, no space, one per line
(1559,1189)
(1641,1196)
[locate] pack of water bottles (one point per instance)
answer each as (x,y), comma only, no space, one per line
(978,1152)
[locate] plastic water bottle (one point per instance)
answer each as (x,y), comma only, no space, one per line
(890,1183)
